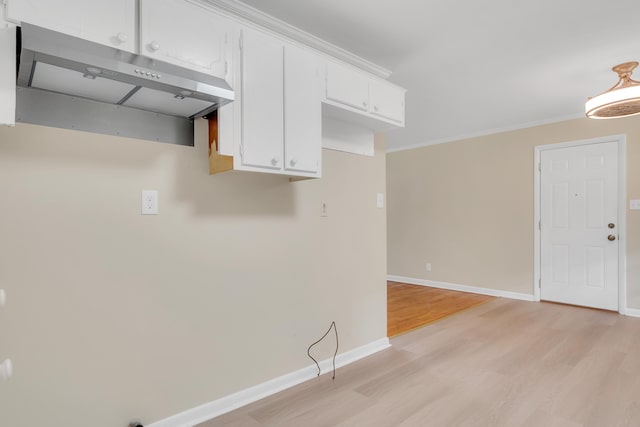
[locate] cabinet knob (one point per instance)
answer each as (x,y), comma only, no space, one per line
(154,46)
(375,108)
(274,161)
(292,162)
(122,37)
(364,104)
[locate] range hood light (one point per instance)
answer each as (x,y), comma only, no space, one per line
(89,76)
(179,97)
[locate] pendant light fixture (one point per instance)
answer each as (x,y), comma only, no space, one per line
(622,100)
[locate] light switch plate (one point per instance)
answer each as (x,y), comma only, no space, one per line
(6,369)
(380,200)
(634,205)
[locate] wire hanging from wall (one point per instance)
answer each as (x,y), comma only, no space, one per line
(335,328)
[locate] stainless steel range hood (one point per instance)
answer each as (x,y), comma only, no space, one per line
(67,82)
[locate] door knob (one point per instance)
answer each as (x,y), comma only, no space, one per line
(611,225)
(611,237)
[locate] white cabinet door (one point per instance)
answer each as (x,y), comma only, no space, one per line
(354,96)
(185,34)
(262,100)
(110,23)
(302,111)
(387,100)
(347,86)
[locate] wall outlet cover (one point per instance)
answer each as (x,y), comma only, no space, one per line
(149,202)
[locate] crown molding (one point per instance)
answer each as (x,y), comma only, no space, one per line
(455,138)
(255,16)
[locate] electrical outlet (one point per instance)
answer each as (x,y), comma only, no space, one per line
(324,210)
(428,266)
(149,202)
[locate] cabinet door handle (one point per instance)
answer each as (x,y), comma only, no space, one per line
(364,104)
(122,37)
(292,162)
(274,161)
(375,108)
(154,46)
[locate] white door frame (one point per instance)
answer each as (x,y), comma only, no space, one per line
(622,212)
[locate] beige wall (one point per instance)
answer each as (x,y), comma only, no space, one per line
(112,315)
(467,206)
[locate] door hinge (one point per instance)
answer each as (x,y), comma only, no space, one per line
(539,283)
(226,67)
(240,42)
(539,225)
(241,150)
(540,166)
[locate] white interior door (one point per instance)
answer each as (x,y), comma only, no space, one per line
(579,225)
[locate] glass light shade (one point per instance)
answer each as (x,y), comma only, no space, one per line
(621,102)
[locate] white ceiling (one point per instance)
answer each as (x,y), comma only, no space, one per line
(472,67)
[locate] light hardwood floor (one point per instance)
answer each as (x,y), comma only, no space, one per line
(412,306)
(503,363)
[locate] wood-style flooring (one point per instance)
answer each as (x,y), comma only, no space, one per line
(411,306)
(503,363)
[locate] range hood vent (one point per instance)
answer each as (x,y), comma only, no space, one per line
(67,82)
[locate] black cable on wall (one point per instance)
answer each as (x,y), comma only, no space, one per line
(335,328)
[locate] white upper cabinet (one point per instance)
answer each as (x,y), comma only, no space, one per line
(387,100)
(110,23)
(302,111)
(347,86)
(186,35)
(275,123)
(262,100)
(354,96)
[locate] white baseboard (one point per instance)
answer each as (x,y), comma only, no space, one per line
(463,288)
(210,410)
(632,312)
